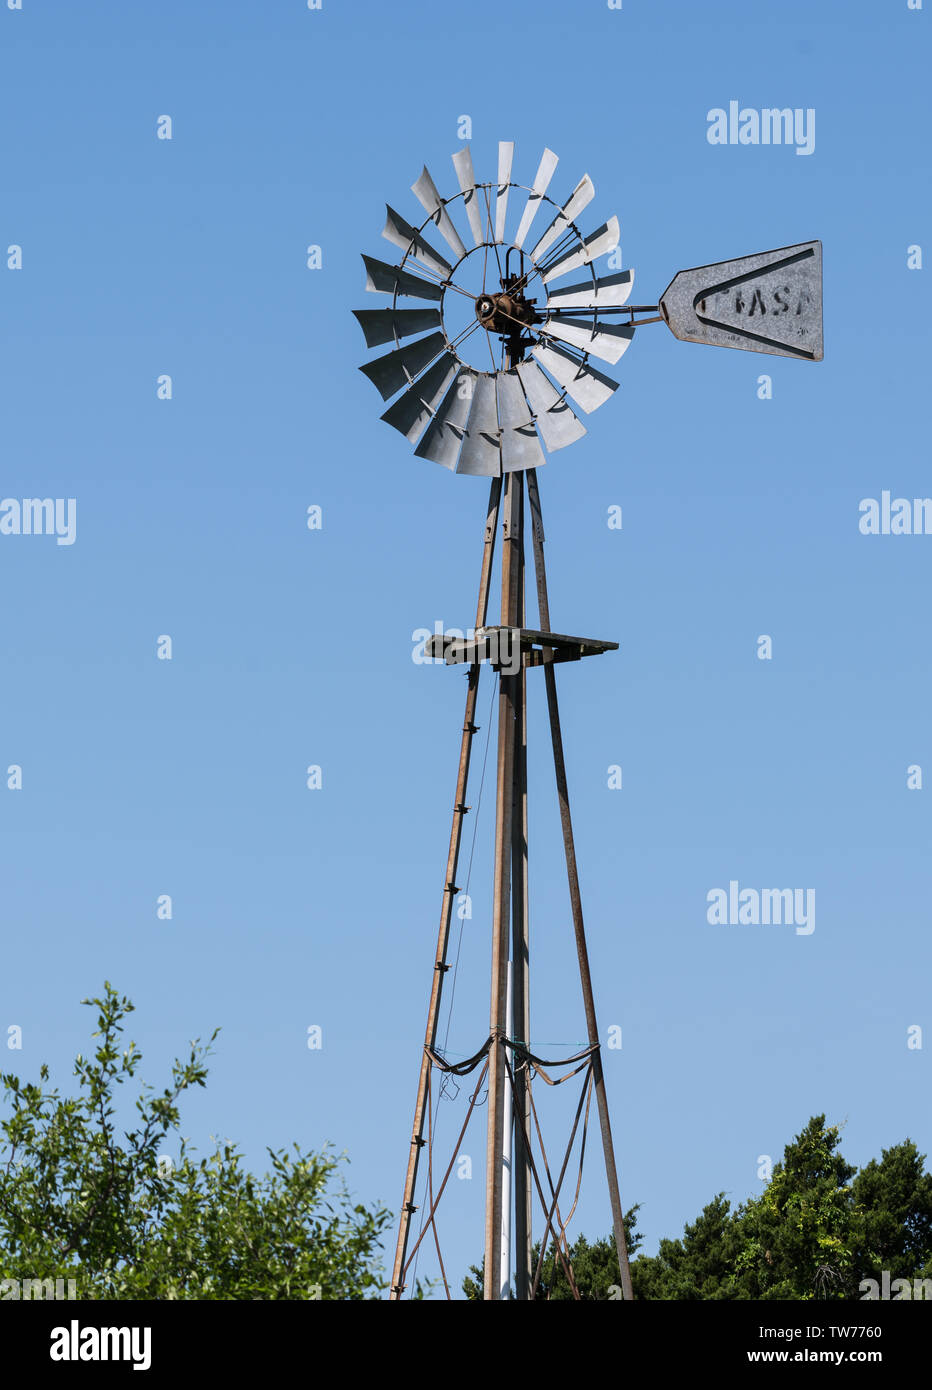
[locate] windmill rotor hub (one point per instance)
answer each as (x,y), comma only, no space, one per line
(506,312)
(485,309)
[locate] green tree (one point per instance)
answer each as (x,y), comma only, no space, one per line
(817,1230)
(798,1240)
(80,1200)
(894,1228)
(700,1265)
(798,1237)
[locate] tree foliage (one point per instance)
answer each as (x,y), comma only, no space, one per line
(79,1199)
(819,1228)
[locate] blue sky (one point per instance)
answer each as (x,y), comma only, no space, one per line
(292,647)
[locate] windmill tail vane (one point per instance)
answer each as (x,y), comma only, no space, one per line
(490,355)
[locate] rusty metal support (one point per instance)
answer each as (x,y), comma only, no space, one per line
(520,957)
(504,796)
(537,532)
(446,912)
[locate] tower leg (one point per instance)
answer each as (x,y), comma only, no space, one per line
(446,911)
(504,797)
(520,955)
(569,848)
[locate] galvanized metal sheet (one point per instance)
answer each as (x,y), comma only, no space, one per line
(520,445)
(444,435)
(401,234)
(386,279)
(513,410)
(770,302)
(594,245)
(588,387)
(556,421)
(531,637)
(431,201)
(581,196)
(480,453)
(545,170)
(396,369)
(600,293)
(412,411)
(462,163)
(506,154)
(491,643)
(606,340)
(385,325)
(457,651)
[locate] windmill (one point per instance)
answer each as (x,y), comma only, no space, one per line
(546,337)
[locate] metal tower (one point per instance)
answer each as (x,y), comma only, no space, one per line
(497,422)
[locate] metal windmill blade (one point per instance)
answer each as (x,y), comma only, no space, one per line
(611,291)
(391,279)
(444,436)
(554,416)
(412,412)
(600,337)
(506,154)
(399,368)
(473,397)
(588,387)
(401,234)
(520,446)
(481,450)
(595,245)
(432,203)
(388,325)
(580,198)
(545,172)
(462,163)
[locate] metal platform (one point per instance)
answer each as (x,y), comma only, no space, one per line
(497,645)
